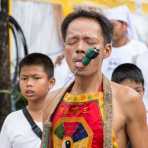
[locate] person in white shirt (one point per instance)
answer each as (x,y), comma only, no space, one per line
(62,73)
(125,47)
(36,79)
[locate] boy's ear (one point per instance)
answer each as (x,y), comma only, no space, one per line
(51,83)
(107,50)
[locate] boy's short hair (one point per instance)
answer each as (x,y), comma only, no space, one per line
(127,71)
(38,59)
(106,26)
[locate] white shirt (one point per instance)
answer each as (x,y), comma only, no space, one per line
(62,75)
(124,54)
(16,132)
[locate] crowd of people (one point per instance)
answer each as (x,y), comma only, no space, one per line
(94,105)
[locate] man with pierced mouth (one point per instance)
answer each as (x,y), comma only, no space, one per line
(92,112)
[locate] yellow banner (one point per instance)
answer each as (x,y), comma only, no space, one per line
(68,5)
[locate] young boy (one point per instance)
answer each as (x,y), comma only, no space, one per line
(129,75)
(36,79)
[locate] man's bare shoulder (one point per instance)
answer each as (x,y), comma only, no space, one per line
(128,109)
(124,93)
(128,100)
(53,93)
(50,98)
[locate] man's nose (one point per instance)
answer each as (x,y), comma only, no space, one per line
(80,47)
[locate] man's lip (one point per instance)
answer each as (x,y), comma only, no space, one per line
(78,60)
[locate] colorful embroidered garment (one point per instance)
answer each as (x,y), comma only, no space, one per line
(78,121)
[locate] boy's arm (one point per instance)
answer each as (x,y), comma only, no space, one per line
(4,139)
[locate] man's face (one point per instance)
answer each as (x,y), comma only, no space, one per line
(82,34)
(135,85)
(119,30)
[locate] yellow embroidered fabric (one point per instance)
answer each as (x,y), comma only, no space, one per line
(89,97)
(82,98)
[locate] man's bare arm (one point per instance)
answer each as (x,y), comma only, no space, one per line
(136,121)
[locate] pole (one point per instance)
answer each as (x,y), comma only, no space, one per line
(5,83)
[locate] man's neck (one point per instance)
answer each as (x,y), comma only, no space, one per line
(87,84)
(121,42)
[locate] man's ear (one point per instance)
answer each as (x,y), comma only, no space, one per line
(51,83)
(107,50)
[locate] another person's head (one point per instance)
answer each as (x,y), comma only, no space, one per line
(119,30)
(36,72)
(123,28)
(84,29)
(130,75)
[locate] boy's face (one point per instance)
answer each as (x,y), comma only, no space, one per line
(136,86)
(34,82)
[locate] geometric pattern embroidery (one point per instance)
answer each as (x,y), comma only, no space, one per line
(74,130)
(80,133)
(71,121)
(78,121)
(59,131)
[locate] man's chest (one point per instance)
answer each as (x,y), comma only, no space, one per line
(118,122)
(79,123)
